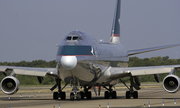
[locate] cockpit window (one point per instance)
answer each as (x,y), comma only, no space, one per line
(68,38)
(74,38)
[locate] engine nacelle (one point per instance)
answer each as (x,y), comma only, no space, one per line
(171,83)
(10,85)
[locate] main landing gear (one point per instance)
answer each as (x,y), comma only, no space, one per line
(131,92)
(109,93)
(88,95)
(59,94)
(73,95)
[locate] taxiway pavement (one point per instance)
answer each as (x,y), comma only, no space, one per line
(154,96)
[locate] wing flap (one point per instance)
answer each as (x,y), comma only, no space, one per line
(150,71)
(2,69)
(29,72)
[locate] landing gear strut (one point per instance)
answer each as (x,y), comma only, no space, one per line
(86,93)
(74,94)
(109,93)
(131,92)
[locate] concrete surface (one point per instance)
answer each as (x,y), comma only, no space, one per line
(40,99)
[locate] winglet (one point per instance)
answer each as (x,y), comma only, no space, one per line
(115,32)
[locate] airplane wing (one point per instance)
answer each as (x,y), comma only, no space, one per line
(41,72)
(139,51)
(118,72)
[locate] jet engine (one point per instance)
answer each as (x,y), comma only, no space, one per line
(171,83)
(10,85)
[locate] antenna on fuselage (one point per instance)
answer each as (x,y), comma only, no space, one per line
(115,32)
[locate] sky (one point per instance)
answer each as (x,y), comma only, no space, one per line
(30,29)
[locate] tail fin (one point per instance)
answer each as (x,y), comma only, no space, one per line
(115,33)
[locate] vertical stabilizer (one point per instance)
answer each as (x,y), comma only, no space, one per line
(115,33)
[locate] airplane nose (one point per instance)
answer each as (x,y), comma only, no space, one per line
(69,62)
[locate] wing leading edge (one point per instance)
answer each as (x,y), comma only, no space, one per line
(139,51)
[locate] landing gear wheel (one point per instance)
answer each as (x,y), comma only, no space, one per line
(55,95)
(88,95)
(127,94)
(78,96)
(72,96)
(63,95)
(106,94)
(82,95)
(113,95)
(135,95)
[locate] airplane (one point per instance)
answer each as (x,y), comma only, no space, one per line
(84,62)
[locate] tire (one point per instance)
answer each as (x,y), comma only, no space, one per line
(89,95)
(78,96)
(113,95)
(82,94)
(72,96)
(106,95)
(135,95)
(127,94)
(63,95)
(55,95)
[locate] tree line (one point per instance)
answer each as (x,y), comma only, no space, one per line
(133,62)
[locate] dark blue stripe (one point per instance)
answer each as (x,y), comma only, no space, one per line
(75,50)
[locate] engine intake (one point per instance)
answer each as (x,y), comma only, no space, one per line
(10,85)
(171,83)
